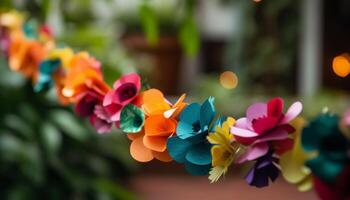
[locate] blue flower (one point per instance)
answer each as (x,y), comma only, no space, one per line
(46,69)
(190,146)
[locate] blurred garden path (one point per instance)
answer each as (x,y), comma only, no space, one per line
(181,186)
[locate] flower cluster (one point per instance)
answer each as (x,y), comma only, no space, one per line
(265,131)
(314,153)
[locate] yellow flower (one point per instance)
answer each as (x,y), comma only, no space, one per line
(224,150)
(12,20)
(292,162)
(64,54)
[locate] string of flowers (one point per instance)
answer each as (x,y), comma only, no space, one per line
(207,143)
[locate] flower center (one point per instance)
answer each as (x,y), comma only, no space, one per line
(126,92)
(196,126)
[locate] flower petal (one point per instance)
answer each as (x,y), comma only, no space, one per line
(158,125)
(207,113)
(191,113)
(306,184)
(199,154)
(291,167)
(178,148)
(254,152)
(197,170)
(139,152)
(256,110)
(184,130)
(113,110)
(217,153)
(275,107)
(162,156)
(108,99)
(134,136)
(283,146)
(169,113)
(155,143)
(242,132)
(265,124)
(129,78)
(293,111)
(243,123)
(154,102)
(278,134)
(179,105)
(100,125)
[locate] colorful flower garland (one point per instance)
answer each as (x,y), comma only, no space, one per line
(193,134)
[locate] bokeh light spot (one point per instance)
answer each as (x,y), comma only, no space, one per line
(228,80)
(341,65)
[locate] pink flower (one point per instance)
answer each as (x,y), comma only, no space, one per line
(4,41)
(265,127)
(100,120)
(125,91)
(90,105)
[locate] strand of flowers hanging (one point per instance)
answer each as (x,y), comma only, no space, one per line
(268,139)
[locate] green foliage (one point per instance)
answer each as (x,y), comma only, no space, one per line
(179,21)
(49,153)
(189,36)
(149,23)
(266,45)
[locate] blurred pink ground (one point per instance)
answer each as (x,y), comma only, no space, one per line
(183,187)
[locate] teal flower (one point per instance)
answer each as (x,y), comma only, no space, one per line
(131,119)
(323,136)
(46,70)
(190,146)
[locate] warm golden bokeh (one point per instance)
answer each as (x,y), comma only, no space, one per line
(341,65)
(228,80)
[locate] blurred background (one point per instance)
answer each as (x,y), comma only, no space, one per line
(270,48)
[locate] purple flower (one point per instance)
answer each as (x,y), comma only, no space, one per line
(264,169)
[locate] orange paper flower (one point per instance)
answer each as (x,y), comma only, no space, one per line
(84,73)
(59,79)
(160,124)
(25,56)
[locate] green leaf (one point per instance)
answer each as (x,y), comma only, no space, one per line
(31,163)
(46,8)
(69,124)
(9,146)
(189,36)
(51,138)
(19,126)
(19,191)
(149,23)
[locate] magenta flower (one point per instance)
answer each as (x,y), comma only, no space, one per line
(87,101)
(264,127)
(90,105)
(125,91)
